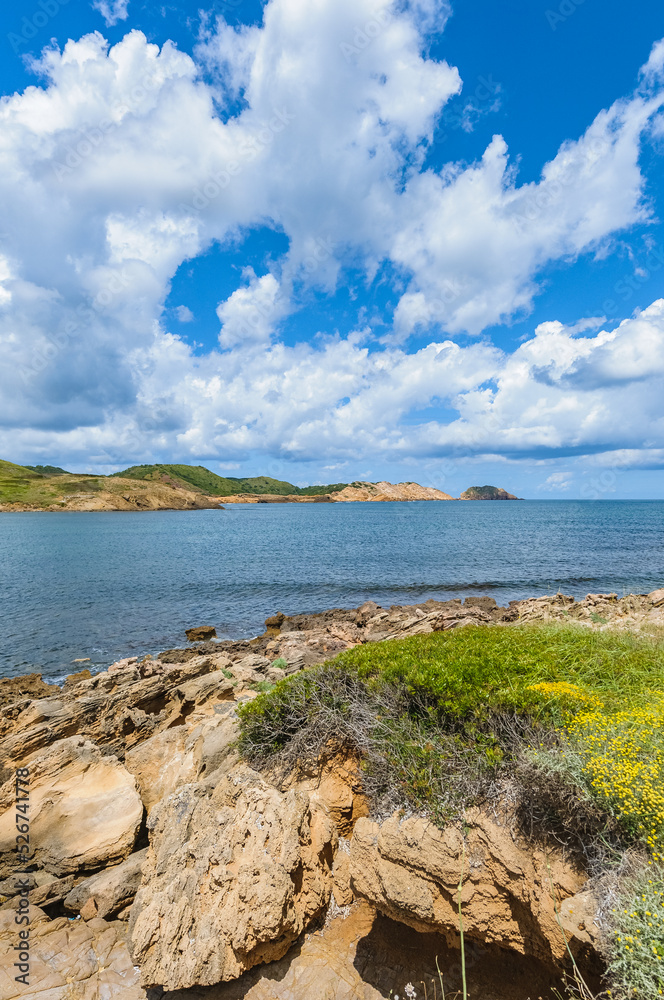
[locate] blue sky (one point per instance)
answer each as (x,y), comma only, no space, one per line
(336,241)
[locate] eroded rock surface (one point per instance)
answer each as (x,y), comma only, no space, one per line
(238,870)
(85,810)
(410,870)
(108,892)
(69,960)
(234,874)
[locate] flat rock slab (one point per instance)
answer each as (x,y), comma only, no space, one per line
(69,960)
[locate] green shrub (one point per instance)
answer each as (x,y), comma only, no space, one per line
(440,721)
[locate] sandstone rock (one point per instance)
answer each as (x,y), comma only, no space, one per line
(160,764)
(275,674)
(180,755)
(365,612)
(578,916)
(31,686)
(212,743)
(410,870)
(250,669)
(201,633)
(44,889)
(53,891)
(85,810)
(323,968)
(484,603)
(208,689)
(275,620)
(69,960)
(656,598)
(73,679)
(338,789)
(361,955)
(233,876)
(111,890)
(117,708)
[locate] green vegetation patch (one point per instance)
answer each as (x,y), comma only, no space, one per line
(434,717)
(197,477)
(569,719)
(47,470)
(636,963)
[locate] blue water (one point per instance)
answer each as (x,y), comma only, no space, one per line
(108,584)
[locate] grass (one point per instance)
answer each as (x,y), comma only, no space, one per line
(636,963)
(44,485)
(443,721)
(200,478)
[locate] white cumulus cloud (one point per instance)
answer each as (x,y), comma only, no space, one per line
(112,10)
(124,163)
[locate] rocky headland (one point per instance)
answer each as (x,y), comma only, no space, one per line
(164,864)
(182,487)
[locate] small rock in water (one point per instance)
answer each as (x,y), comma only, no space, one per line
(82,659)
(201,633)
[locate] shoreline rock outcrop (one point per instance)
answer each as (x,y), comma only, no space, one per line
(162,861)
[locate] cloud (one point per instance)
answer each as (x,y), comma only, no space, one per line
(251,313)
(556,397)
(112,10)
(557,482)
(184,314)
(124,163)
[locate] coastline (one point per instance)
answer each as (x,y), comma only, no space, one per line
(305,639)
(199,845)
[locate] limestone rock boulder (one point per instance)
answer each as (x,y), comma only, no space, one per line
(180,755)
(69,960)
(410,870)
(85,810)
(109,891)
(235,872)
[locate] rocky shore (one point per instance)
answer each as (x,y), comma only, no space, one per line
(162,864)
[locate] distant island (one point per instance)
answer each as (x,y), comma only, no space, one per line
(191,487)
(487,493)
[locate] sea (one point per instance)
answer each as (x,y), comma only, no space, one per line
(104,585)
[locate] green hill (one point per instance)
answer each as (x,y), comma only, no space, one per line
(15,481)
(48,470)
(200,478)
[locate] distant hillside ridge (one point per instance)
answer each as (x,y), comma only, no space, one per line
(486,493)
(192,487)
(200,478)
(48,470)
(25,489)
